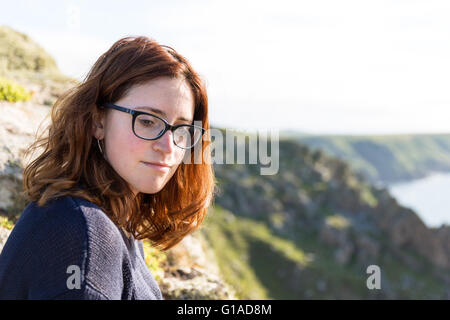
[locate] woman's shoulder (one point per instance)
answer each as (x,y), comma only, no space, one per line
(55,216)
(64,219)
(49,240)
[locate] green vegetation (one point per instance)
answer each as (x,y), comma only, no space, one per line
(231,248)
(337,221)
(154,259)
(367,197)
(6,223)
(12,91)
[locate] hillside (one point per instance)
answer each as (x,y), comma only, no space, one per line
(24,61)
(320,226)
(386,159)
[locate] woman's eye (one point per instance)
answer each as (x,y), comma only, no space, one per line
(147,122)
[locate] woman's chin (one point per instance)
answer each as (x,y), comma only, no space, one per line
(147,190)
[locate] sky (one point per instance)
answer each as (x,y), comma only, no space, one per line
(318,67)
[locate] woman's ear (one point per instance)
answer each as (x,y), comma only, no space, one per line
(98,127)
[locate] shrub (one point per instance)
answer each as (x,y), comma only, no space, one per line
(13,92)
(154,259)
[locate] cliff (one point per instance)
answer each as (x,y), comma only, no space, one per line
(385,159)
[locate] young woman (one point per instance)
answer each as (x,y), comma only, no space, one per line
(118,166)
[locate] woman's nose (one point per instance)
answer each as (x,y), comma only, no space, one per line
(165,142)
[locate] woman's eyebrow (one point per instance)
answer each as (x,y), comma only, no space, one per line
(155,110)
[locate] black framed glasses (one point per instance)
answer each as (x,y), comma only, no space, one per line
(148,126)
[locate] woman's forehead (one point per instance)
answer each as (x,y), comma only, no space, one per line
(165,97)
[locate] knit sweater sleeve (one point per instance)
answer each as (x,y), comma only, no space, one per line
(55,253)
(87,293)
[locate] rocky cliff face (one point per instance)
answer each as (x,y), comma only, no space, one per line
(386,159)
(323,198)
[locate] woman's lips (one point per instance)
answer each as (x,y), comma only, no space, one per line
(162,168)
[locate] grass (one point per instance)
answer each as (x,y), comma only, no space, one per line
(233,259)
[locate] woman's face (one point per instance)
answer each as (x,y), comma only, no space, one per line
(127,153)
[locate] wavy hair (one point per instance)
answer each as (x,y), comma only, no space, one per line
(71,162)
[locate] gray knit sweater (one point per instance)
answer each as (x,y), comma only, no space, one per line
(70,249)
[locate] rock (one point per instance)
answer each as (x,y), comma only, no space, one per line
(19,124)
(193,284)
(4,234)
(344,253)
(339,238)
(368,249)
(193,272)
(333,236)
(405,229)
